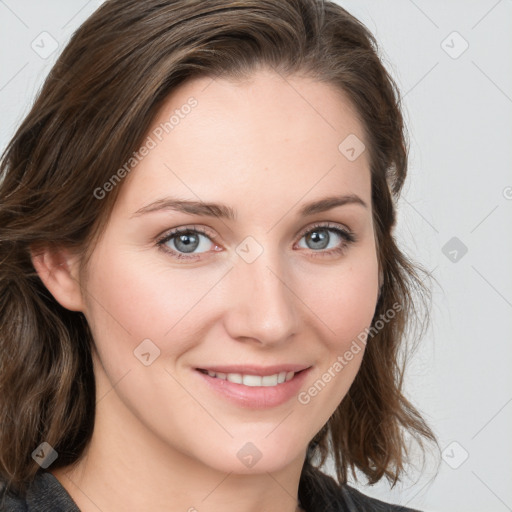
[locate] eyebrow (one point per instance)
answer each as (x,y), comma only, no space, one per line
(222,211)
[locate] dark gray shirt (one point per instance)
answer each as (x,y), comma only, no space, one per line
(46,494)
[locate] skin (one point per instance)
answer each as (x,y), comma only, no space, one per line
(162,439)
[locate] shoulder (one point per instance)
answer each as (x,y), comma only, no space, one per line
(321,492)
(360,501)
(10,502)
(44,493)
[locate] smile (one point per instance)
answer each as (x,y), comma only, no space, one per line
(253,386)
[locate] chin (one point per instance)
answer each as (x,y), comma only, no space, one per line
(256,454)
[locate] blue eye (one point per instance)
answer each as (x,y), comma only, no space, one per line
(320,238)
(182,242)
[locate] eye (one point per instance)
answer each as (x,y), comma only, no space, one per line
(320,237)
(182,242)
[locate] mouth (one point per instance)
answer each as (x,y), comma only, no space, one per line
(255,387)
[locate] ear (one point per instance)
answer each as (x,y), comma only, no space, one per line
(58,270)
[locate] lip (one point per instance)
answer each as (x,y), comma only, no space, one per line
(255,370)
(255,397)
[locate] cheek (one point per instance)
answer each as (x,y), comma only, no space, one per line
(131,297)
(345,304)
(344,300)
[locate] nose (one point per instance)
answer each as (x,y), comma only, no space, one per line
(261,305)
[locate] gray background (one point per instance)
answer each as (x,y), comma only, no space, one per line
(458,107)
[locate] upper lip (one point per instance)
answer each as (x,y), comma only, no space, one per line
(255,370)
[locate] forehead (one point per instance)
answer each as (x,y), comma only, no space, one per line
(266,140)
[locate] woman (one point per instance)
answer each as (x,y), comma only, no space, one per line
(201,296)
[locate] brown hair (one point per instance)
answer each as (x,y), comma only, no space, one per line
(93,112)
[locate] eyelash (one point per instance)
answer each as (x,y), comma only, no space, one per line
(347,236)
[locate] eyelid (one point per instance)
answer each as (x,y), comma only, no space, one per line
(184,229)
(325,225)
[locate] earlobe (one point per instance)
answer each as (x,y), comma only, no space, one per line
(58,270)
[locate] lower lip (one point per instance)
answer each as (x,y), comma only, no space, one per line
(256,397)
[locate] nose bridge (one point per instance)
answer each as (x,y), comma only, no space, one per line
(263,307)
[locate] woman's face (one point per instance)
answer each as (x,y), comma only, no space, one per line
(195,332)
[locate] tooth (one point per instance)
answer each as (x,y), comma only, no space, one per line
(235,377)
(252,380)
(269,380)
